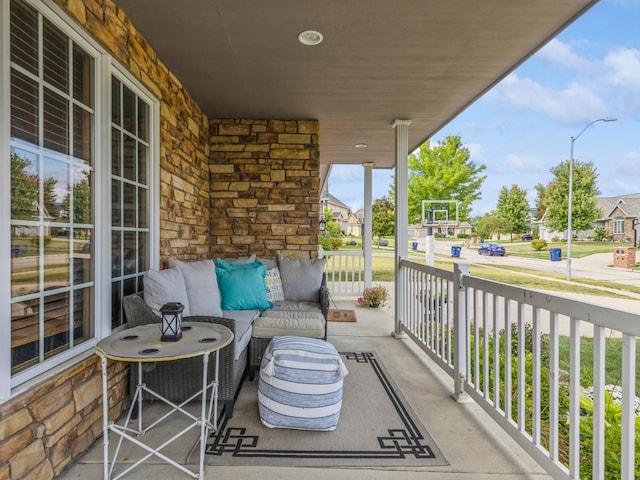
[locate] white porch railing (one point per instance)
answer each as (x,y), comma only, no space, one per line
(501,344)
(345,272)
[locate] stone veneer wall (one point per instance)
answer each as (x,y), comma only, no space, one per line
(44,429)
(265,187)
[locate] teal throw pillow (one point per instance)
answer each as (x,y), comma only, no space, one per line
(243,288)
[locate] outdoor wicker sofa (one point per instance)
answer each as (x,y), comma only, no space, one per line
(179,380)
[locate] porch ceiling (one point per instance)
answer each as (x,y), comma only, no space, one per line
(381,60)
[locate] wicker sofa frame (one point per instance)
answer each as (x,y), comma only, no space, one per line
(178,380)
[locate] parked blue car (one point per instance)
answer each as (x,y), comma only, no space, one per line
(491,249)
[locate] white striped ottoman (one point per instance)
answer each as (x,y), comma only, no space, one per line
(300,384)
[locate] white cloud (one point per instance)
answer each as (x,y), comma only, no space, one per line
(576,102)
(562,55)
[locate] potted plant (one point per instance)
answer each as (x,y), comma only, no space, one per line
(374,297)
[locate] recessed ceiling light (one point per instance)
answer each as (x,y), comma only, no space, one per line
(310,37)
(361,145)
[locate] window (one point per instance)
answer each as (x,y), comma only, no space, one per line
(51,157)
(80,187)
(618,225)
(129,195)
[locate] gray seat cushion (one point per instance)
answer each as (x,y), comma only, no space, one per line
(303,324)
(293,306)
(244,320)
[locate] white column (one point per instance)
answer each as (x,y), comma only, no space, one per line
(367,235)
(402,214)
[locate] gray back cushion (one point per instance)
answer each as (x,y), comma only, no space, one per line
(301,278)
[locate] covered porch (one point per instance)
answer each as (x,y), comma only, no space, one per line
(237,127)
(473,444)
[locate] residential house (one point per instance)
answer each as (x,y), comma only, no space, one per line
(355,223)
(193,130)
(339,211)
(619,217)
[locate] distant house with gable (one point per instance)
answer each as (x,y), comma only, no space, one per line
(620,215)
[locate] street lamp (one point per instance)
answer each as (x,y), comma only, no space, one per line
(570,208)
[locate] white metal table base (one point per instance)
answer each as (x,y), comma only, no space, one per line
(125,432)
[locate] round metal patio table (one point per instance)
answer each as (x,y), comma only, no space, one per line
(142,345)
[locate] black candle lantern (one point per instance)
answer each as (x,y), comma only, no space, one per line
(171,321)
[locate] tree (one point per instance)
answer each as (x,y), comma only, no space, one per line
(24,189)
(541,201)
(443,172)
(514,208)
(81,192)
(383,223)
(585,204)
(492,223)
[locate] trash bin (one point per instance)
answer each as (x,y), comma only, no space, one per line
(455,251)
(414,245)
(556,254)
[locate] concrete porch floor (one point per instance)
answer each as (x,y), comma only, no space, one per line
(475,448)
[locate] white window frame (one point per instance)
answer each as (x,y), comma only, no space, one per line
(618,225)
(105,67)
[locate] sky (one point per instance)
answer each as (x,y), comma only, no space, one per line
(523,127)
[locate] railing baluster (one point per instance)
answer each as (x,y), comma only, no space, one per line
(553,387)
(598,403)
(628,405)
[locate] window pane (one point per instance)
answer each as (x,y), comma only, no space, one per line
(24,185)
(116,153)
(55,57)
(24,37)
(128,111)
(55,317)
(116,202)
(117,315)
(82,315)
(24,108)
(80,204)
(116,254)
(82,77)
(143,221)
(56,122)
(142,163)
(129,158)
(130,259)
(56,198)
(116,117)
(25,251)
(143,252)
(143,121)
(129,205)
(25,338)
(82,129)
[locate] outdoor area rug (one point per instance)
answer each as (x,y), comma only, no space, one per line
(377,428)
(341,315)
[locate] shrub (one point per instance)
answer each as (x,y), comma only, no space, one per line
(330,243)
(463,235)
(538,244)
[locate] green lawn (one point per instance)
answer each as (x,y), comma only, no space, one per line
(578,249)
